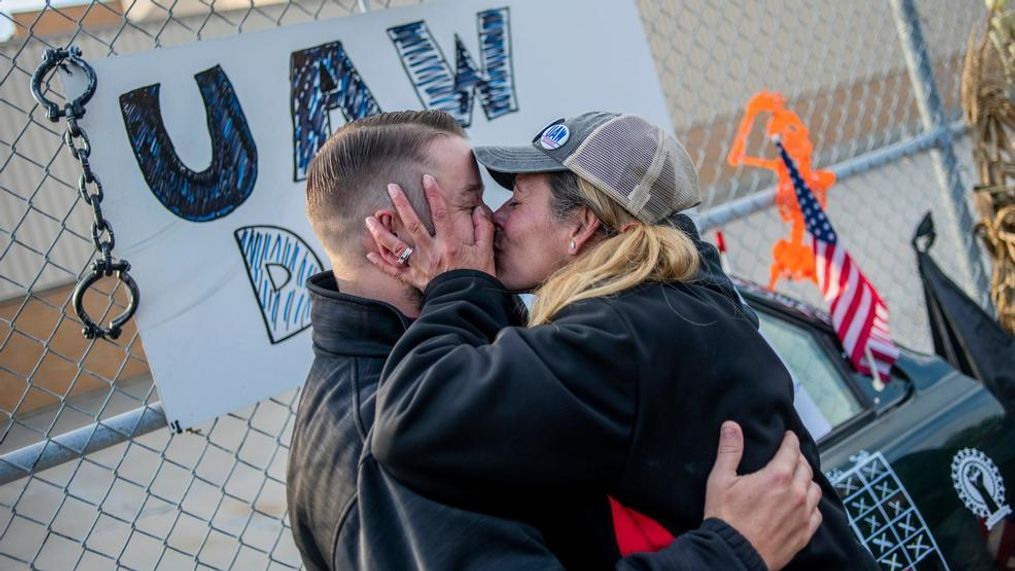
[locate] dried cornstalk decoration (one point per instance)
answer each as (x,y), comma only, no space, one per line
(988,96)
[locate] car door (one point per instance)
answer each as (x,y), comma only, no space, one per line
(920,465)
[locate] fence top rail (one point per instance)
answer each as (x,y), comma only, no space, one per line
(82,441)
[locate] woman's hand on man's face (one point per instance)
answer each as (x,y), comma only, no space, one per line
(431,255)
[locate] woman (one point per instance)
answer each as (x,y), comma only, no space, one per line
(628,366)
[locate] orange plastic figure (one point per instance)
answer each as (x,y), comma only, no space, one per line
(792,259)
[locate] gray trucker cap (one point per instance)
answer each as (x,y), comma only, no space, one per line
(641,166)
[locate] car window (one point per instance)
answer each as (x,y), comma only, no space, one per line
(821,394)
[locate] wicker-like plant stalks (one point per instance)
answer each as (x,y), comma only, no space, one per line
(988,96)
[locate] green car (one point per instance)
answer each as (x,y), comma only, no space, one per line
(921,466)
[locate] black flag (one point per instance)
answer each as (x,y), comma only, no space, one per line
(964,334)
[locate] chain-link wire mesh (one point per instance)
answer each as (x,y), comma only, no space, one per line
(215,497)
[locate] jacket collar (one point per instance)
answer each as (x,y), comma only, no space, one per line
(350,325)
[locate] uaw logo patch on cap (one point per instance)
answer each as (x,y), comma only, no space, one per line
(554,137)
(979,485)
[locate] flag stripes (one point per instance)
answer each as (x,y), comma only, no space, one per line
(859,314)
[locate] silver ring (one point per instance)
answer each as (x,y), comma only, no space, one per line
(403,258)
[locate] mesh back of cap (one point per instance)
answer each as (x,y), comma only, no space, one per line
(644,169)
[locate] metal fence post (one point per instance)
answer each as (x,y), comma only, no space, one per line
(921,75)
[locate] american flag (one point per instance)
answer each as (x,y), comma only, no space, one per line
(859,315)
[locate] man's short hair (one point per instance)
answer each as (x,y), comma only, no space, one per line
(347,180)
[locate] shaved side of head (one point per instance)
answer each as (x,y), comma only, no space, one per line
(347,180)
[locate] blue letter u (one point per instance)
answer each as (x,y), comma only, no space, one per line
(229,179)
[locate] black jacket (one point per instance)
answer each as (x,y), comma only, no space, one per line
(622,395)
(332,474)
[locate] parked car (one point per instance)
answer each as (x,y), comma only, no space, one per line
(921,465)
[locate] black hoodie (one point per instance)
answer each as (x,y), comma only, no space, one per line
(620,395)
(347,512)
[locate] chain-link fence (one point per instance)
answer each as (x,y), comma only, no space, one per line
(89,476)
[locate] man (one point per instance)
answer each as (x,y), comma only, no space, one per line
(345,511)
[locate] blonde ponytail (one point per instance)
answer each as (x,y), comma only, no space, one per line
(642,253)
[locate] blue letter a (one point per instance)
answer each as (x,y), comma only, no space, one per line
(440,88)
(323,78)
(229,179)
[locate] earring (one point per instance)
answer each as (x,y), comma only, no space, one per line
(573,245)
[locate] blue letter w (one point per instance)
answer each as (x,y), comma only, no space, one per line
(438,87)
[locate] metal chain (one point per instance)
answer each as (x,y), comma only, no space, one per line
(90,188)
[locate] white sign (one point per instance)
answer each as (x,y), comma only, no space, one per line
(203,151)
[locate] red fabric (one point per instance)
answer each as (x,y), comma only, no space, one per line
(635,532)
(720,241)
